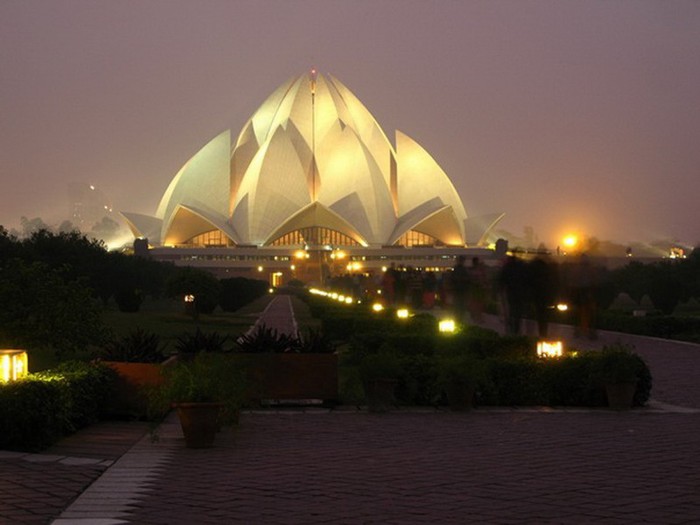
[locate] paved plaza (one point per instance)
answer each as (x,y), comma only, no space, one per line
(307,466)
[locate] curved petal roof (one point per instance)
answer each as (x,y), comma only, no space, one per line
(311,155)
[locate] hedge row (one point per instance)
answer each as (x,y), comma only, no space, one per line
(37,411)
(509,379)
(663,326)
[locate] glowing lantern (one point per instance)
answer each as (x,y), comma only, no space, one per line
(377,307)
(550,349)
(446,326)
(402,313)
(561,307)
(13,365)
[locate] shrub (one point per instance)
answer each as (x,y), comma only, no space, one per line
(264,339)
(314,342)
(33,414)
(188,343)
(87,388)
(139,346)
(517,382)
(37,411)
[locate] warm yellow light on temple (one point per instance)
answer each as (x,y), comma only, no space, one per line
(13,365)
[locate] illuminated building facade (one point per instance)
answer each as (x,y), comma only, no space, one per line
(311,170)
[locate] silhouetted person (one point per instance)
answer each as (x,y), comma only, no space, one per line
(459,280)
(476,294)
(512,283)
(543,287)
(584,284)
(388,285)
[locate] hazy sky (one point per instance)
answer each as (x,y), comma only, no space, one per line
(564,114)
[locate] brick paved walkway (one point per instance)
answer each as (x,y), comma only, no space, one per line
(410,466)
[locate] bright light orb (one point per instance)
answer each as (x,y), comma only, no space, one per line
(570,241)
(547,349)
(13,365)
(446,326)
(402,313)
(377,307)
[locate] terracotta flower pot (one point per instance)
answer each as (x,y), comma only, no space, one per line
(200,422)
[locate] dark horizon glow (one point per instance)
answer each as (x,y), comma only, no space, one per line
(569,116)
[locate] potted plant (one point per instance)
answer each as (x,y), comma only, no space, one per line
(207,391)
(380,374)
(137,358)
(459,375)
(617,370)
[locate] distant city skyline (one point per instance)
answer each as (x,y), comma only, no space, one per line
(570,117)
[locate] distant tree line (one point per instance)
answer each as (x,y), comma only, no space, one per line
(53,286)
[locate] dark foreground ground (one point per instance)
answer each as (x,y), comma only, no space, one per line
(409,466)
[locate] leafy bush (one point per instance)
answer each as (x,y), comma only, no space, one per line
(129,300)
(264,339)
(87,388)
(33,414)
(207,378)
(314,342)
(517,382)
(140,346)
(189,344)
(37,411)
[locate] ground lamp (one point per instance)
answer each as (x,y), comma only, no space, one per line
(550,349)
(446,326)
(402,313)
(13,365)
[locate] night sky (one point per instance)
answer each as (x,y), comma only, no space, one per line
(566,115)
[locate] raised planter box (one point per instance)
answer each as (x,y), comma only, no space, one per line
(130,397)
(291,376)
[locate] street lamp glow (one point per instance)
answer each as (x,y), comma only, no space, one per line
(570,241)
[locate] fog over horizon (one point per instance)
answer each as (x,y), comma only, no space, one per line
(576,117)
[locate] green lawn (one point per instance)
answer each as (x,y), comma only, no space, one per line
(169,320)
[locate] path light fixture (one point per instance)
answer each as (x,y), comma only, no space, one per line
(402,313)
(377,307)
(13,365)
(446,326)
(547,349)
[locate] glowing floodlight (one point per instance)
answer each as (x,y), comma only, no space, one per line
(447,326)
(550,349)
(189,298)
(570,241)
(402,313)
(348,300)
(562,307)
(377,307)
(13,365)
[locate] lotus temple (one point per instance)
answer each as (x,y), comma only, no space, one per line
(311,187)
